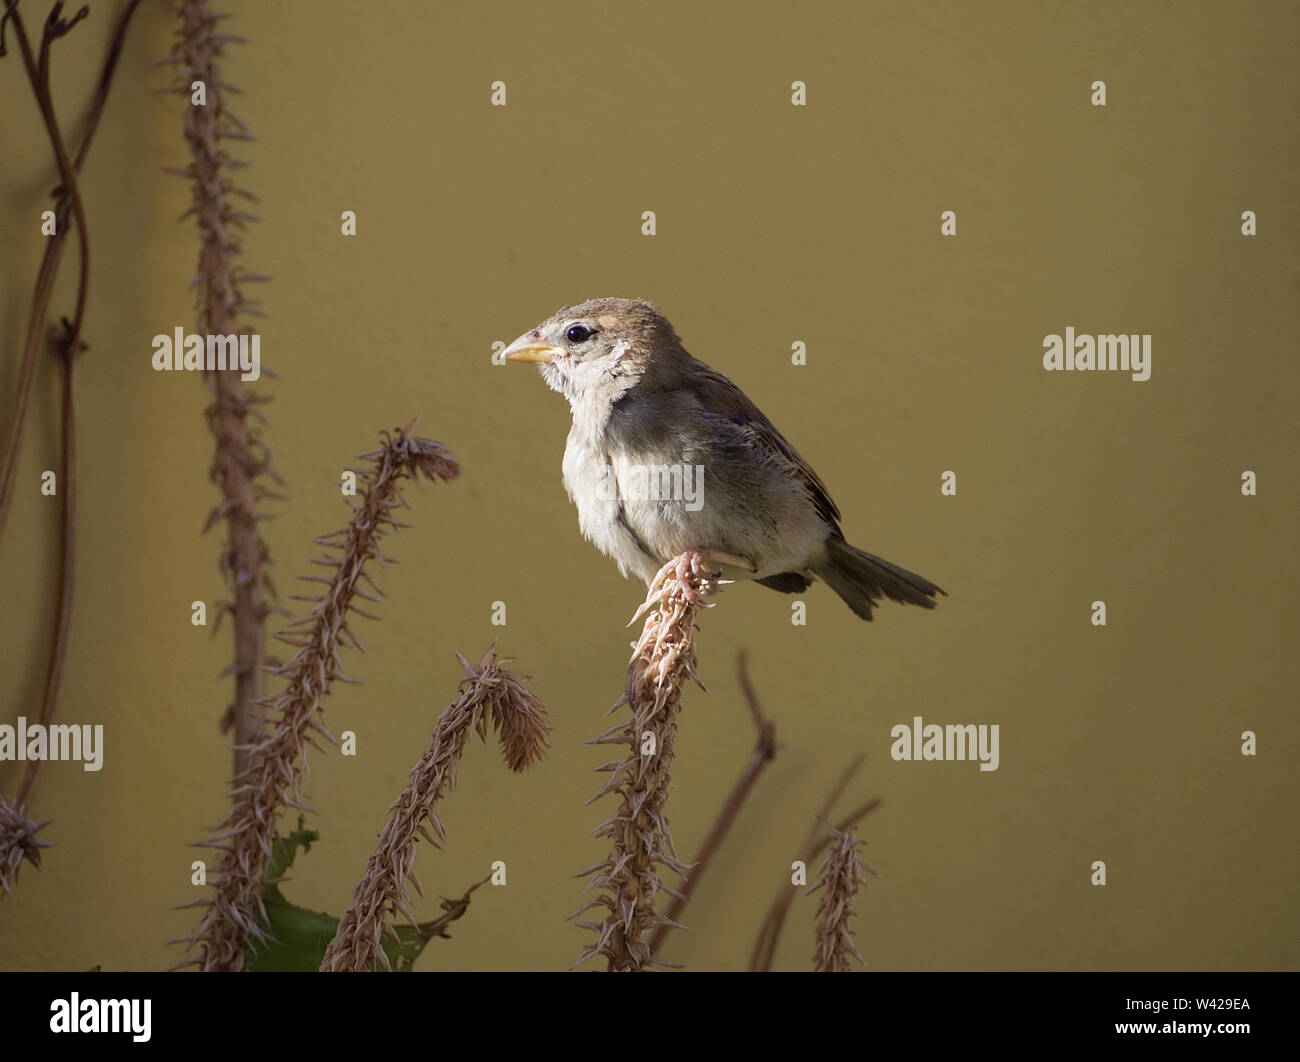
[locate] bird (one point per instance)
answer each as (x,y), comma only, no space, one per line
(651,423)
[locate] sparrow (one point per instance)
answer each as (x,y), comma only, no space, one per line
(667,456)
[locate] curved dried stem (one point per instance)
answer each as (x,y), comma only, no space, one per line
(519,718)
(67,486)
(49,266)
(67,345)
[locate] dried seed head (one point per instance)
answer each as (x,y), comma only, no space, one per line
(520,719)
(641,843)
(18,843)
(839,876)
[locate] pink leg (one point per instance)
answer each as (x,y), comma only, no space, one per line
(697,562)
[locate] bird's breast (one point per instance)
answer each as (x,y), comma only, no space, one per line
(591,479)
(648,488)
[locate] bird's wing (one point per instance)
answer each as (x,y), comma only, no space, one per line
(722,398)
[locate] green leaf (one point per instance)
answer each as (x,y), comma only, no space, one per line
(298,941)
(283,852)
(299,937)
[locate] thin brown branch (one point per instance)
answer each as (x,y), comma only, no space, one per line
(38,74)
(764,753)
(68,345)
(66,485)
(48,269)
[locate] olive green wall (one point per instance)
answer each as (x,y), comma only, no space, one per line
(775,224)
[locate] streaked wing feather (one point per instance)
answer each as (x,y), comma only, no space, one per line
(724,398)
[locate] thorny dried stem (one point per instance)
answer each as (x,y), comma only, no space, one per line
(234,916)
(520,720)
(662,660)
(839,877)
(241,462)
(764,752)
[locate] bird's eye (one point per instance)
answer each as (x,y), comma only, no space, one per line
(579,334)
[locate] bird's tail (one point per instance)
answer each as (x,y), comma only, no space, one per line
(862,579)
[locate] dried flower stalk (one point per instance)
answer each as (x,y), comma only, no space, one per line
(241,461)
(661,661)
(277,771)
(839,878)
(521,724)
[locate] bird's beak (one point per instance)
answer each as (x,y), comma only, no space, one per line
(530,348)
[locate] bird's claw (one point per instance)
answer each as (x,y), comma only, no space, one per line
(686,570)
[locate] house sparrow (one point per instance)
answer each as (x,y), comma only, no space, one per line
(651,426)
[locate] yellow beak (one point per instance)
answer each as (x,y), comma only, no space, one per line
(531,348)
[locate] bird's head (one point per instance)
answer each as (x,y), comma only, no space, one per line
(601,348)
